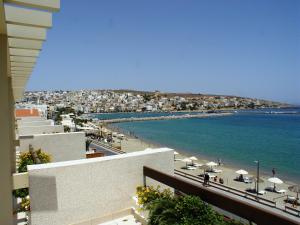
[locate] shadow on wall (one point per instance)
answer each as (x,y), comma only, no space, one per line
(44,197)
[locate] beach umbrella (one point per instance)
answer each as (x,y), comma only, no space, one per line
(187,160)
(295,188)
(175,153)
(241,172)
(211,164)
(275,181)
(193,158)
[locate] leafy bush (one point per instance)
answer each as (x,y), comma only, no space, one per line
(146,195)
(162,212)
(187,210)
(165,209)
(25,205)
(192,210)
(26,158)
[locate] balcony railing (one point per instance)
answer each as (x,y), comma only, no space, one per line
(249,211)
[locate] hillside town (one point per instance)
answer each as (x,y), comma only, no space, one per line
(101,101)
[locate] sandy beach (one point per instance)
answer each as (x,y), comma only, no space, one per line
(228,174)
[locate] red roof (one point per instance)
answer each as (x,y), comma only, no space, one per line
(27,112)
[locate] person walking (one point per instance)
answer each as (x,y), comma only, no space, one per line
(206,178)
(273,172)
(219,162)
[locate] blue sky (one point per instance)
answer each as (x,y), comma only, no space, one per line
(236,47)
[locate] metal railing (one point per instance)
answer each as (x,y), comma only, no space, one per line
(226,188)
(249,211)
(110,147)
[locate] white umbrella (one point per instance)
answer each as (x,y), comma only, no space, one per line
(175,153)
(275,181)
(241,172)
(295,188)
(187,160)
(211,164)
(193,158)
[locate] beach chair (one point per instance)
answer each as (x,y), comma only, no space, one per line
(197,165)
(178,159)
(281,191)
(271,189)
(261,192)
(216,171)
(191,167)
(247,180)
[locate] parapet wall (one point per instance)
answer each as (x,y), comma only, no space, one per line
(61,146)
(28,123)
(80,191)
(41,129)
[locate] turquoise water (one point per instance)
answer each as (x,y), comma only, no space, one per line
(238,140)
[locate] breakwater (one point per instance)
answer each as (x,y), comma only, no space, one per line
(169,117)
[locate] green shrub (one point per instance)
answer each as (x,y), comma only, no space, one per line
(166,209)
(162,212)
(26,158)
(146,195)
(192,210)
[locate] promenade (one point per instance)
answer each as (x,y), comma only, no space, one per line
(235,190)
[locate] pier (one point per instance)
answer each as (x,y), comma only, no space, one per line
(185,116)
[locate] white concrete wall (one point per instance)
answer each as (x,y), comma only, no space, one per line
(31,118)
(61,146)
(26,123)
(78,191)
(44,129)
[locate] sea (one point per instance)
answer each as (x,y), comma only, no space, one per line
(271,136)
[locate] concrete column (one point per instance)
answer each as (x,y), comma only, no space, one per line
(12,125)
(6,199)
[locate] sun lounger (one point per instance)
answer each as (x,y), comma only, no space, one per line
(191,167)
(292,200)
(197,165)
(178,159)
(262,192)
(216,171)
(247,180)
(269,189)
(281,191)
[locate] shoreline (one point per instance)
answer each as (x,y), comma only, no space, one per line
(229,165)
(132,143)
